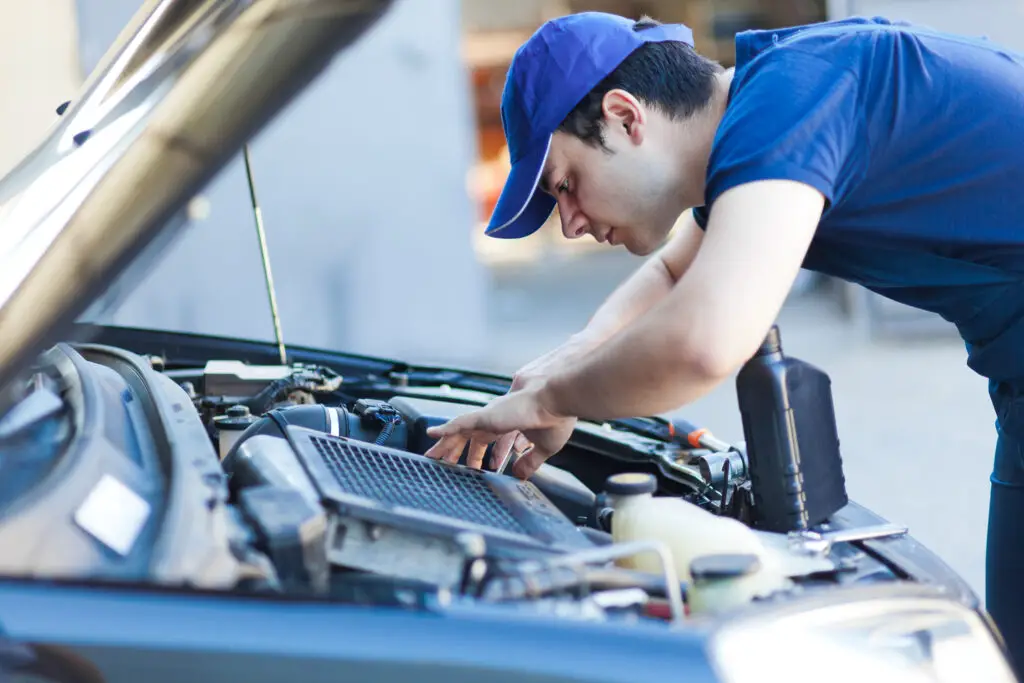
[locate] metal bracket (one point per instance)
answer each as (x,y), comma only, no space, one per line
(814,542)
(617,551)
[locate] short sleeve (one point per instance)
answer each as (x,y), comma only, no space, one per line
(700,215)
(792,116)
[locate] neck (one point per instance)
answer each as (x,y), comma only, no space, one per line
(721,97)
(696,137)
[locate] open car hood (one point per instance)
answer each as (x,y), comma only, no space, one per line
(184,86)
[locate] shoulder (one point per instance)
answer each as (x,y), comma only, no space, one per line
(842,42)
(799,64)
(794,113)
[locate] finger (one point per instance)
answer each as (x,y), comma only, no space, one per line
(522,444)
(528,464)
(441,446)
(502,448)
(437,450)
(445,447)
(443,430)
(477,449)
(456,444)
(463,424)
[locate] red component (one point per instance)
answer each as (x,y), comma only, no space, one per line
(659,609)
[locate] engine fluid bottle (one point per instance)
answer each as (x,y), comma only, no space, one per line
(692,535)
(789,423)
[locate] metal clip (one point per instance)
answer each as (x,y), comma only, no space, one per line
(814,542)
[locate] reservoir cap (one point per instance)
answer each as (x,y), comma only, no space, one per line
(724,566)
(236,418)
(772,342)
(630,484)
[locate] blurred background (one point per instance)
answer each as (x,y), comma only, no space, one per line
(374,188)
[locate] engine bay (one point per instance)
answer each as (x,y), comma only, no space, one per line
(296,480)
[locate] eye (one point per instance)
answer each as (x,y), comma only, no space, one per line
(563,186)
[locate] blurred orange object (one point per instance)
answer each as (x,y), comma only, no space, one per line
(489,179)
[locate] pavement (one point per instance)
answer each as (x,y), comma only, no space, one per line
(915,424)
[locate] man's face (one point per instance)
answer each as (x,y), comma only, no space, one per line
(631,196)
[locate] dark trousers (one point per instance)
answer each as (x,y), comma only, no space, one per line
(1004,561)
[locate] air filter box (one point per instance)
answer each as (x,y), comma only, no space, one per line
(565,490)
(402,514)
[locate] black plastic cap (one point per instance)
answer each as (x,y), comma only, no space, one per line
(772,342)
(238,411)
(237,418)
(725,566)
(63,108)
(630,484)
(80,138)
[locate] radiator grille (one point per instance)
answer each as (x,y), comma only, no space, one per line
(414,483)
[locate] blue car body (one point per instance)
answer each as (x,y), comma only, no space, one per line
(173,574)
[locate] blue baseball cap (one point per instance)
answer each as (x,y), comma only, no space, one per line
(550,73)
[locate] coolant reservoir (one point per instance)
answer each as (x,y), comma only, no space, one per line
(691,533)
(231,425)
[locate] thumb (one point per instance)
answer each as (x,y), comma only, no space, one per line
(527,465)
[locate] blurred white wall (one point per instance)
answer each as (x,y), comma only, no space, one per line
(38,68)
(1000,20)
(362,183)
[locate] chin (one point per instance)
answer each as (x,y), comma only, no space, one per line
(639,249)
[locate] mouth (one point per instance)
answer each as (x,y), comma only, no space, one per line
(605,236)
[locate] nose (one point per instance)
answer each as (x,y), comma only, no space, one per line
(574,223)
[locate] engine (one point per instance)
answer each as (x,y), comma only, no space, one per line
(343,502)
(293,480)
(341,491)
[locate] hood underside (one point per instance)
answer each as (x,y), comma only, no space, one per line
(185,85)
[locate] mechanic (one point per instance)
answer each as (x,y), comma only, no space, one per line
(885,154)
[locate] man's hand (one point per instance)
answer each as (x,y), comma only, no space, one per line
(532,374)
(520,411)
(644,289)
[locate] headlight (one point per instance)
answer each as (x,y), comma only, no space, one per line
(884,639)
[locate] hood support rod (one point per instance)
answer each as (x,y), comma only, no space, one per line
(265,254)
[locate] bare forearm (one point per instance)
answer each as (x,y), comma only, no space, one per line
(645,369)
(644,288)
(648,285)
(713,319)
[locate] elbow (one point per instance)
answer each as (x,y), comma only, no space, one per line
(711,347)
(710,365)
(714,359)
(707,361)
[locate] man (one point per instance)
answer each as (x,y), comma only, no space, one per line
(888,155)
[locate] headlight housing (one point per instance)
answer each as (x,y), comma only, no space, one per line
(897,638)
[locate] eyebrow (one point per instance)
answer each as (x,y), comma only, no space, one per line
(545,182)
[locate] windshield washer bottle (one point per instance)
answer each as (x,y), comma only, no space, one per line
(690,533)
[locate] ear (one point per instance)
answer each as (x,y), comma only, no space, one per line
(623,112)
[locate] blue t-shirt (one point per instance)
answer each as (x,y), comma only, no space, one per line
(916,139)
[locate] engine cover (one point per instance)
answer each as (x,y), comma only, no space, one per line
(401,514)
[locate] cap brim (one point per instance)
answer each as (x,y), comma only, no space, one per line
(522,209)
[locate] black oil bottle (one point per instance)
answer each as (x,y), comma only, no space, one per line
(789,423)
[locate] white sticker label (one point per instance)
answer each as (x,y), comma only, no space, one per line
(113,514)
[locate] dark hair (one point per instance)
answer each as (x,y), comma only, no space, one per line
(669,76)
